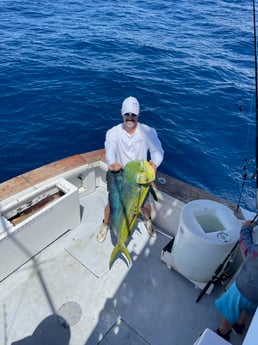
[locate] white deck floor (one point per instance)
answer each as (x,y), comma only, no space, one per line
(141,304)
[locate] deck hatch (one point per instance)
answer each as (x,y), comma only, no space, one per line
(34,221)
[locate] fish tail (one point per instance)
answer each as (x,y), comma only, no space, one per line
(126,253)
(119,247)
(114,254)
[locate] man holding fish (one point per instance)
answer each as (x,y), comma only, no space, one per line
(127,142)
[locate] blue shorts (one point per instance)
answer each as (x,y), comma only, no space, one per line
(232,303)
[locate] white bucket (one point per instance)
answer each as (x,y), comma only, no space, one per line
(207,232)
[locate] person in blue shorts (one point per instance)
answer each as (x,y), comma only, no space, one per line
(240,301)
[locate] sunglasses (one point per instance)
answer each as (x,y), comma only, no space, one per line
(130,114)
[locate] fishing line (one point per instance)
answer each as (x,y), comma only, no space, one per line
(254,218)
(245,160)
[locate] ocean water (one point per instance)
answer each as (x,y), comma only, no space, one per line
(66,66)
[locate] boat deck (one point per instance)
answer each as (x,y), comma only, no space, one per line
(145,303)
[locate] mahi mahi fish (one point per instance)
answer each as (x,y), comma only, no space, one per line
(128,189)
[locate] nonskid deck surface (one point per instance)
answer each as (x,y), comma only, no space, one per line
(141,304)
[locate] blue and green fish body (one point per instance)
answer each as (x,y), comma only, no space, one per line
(128,189)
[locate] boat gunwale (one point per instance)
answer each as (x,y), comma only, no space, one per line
(166,184)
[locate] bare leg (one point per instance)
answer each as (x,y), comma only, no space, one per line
(239,326)
(225,326)
(146,210)
(244,317)
(107,214)
(101,236)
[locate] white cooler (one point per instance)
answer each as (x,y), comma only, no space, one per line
(209,337)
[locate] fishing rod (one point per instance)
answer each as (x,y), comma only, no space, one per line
(220,274)
(244,175)
(248,167)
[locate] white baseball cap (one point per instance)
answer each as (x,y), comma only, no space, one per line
(130,105)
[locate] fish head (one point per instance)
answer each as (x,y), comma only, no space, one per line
(146,174)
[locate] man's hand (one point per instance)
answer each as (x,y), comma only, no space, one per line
(153,165)
(115,167)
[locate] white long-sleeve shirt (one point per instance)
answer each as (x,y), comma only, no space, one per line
(122,147)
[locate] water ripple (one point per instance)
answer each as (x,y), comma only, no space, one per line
(65,68)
